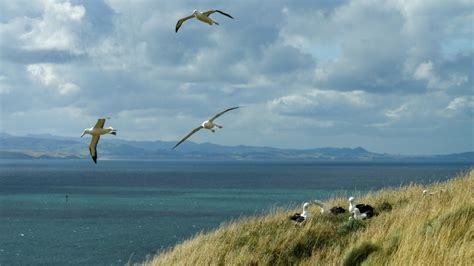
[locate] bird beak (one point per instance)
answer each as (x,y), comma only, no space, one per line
(83,134)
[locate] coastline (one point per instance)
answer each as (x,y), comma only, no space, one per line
(406,234)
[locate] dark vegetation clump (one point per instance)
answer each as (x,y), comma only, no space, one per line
(350,226)
(302,248)
(359,254)
(384,207)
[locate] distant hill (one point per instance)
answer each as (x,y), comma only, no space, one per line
(49,146)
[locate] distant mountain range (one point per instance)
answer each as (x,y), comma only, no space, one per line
(55,147)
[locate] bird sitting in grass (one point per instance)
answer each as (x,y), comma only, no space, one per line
(301,217)
(362,208)
(357,215)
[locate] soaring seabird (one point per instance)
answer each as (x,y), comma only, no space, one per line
(208,124)
(204,17)
(362,208)
(301,217)
(95,132)
(325,208)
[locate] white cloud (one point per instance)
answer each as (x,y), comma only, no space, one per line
(425,71)
(322,102)
(68,88)
(43,73)
(316,73)
(46,74)
(397,113)
(460,104)
(59,27)
(65,120)
(379,45)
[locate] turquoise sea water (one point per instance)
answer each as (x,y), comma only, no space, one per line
(121,211)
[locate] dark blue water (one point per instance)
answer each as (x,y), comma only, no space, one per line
(120,211)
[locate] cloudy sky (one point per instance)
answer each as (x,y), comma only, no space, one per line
(391,76)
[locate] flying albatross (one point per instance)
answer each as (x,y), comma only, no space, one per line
(204,17)
(208,124)
(301,217)
(325,208)
(361,208)
(95,132)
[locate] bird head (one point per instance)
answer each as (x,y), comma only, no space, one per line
(305,205)
(194,12)
(351,199)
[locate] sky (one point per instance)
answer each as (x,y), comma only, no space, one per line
(392,76)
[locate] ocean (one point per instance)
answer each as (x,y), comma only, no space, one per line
(59,212)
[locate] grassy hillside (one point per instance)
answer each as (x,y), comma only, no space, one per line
(432,230)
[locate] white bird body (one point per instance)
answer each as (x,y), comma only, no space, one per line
(209,125)
(200,16)
(351,205)
(306,213)
(359,216)
(96,132)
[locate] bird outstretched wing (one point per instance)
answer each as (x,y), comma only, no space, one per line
(223,112)
(207,13)
(180,22)
(93,147)
(187,136)
(100,123)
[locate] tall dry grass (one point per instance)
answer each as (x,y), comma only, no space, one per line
(417,230)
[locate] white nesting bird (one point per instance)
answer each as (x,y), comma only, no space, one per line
(208,124)
(301,217)
(202,16)
(96,132)
(357,215)
(362,208)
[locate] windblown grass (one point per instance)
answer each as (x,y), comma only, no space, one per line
(409,230)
